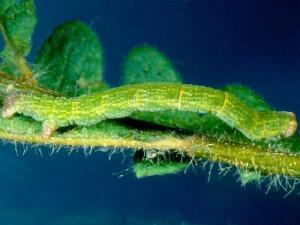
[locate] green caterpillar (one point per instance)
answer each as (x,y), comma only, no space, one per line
(122,101)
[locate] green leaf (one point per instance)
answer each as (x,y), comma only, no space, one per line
(4,4)
(17,22)
(147,64)
(71,60)
(145,168)
(155,163)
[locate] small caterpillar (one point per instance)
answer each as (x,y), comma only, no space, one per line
(122,101)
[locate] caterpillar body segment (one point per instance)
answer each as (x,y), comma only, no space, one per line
(122,101)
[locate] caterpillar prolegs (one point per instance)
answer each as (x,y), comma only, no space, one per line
(122,101)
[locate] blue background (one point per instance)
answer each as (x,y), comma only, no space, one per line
(213,43)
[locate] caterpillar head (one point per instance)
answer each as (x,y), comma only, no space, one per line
(9,104)
(280,124)
(292,125)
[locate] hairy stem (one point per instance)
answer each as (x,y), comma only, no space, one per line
(250,157)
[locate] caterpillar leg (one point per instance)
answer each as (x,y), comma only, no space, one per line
(48,128)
